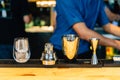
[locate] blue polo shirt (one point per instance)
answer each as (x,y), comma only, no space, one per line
(70,12)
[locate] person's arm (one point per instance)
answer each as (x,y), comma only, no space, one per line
(86,34)
(112,29)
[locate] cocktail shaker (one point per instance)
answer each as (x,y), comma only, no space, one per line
(48,56)
(70,43)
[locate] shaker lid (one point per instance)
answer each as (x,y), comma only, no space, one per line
(48,47)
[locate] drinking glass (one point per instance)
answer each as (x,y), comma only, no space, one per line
(21,50)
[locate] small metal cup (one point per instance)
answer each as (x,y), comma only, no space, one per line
(70,43)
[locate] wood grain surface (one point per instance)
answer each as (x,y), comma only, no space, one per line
(105,73)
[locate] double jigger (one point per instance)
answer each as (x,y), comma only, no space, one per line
(94,43)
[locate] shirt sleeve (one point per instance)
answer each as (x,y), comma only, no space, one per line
(69,12)
(102,17)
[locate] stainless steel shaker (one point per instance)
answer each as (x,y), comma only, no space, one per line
(48,56)
(70,43)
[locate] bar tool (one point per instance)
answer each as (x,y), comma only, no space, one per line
(94,44)
(70,43)
(48,55)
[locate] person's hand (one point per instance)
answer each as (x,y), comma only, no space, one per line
(27,18)
(117,42)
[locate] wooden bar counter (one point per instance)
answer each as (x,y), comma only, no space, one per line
(9,72)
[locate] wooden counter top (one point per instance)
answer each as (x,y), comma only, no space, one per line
(10,70)
(106,73)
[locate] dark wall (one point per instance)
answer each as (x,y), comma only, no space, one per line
(37,42)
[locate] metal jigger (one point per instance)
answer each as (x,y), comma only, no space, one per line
(94,44)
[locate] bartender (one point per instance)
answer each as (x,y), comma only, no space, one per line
(79,17)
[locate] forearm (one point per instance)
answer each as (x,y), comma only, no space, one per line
(86,34)
(112,29)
